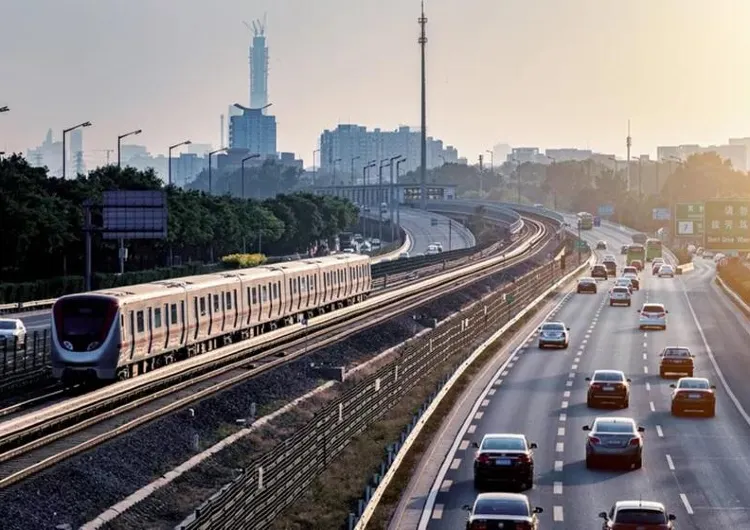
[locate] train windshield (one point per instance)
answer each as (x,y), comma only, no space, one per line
(84,321)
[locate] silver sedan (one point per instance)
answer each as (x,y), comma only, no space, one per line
(612,439)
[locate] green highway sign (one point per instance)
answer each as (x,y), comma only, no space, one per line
(727,224)
(688,217)
(581,244)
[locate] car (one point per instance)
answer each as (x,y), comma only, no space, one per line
(505,458)
(624,250)
(635,283)
(676,360)
(666,271)
(630,269)
(657,261)
(653,316)
(608,386)
(12,332)
(655,269)
(611,266)
(497,509)
(587,285)
(612,439)
(554,334)
(638,264)
(640,514)
(624,282)
(601,245)
(599,271)
(693,394)
(403,255)
(438,245)
(432,250)
(619,295)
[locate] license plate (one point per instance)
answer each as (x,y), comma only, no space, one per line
(613,443)
(694,396)
(502,462)
(608,389)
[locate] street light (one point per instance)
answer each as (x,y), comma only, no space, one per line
(242,172)
(390,193)
(210,168)
(66,131)
(353,159)
(366,196)
(383,163)
(169,156)
(119,141)
(5,109)
(398,202)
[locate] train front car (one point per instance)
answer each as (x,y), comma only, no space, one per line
(85,337)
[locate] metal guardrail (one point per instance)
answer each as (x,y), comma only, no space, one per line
(276,478)
(22,357)
(493,212)
(24,307)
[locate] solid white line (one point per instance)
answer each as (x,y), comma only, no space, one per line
(456,463)
(670,463)
(688,508)
(564,405)
(560,447)
(561,431)
(557,488)
(651,406)
(659,431)
(566,394)
(563,417)
(557,513)
(645,369)
(648,386)
(464,445)
(558,465)
(446,486)
(437,513)
(478,415)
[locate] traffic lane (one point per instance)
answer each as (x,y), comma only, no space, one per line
(616,343)
(36,321)
(418,225)
(526,401)
(708,457)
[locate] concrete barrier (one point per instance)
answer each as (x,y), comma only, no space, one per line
(685,267)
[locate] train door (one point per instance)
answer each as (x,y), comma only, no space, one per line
(234,315)
(168,326)
(290,296)
(197,319)
(150,330)
(183,322)
(132,333)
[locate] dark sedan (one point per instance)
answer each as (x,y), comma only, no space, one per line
(693,394)
(506,458)
(587,285)
(501,511)
(608,386)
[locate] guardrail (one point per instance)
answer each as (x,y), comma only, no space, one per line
(466,209)
(272,482)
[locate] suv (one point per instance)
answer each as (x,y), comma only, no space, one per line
(601,245)
(611,267)
(619,295)
(599,271)
(637,514)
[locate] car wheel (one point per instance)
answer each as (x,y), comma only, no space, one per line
(589,462)
(628,304)
(638,463)
(541,346)
(611,304)
(565,346)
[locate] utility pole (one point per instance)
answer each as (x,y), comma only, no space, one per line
(423,156)
(481,169)
(628,143)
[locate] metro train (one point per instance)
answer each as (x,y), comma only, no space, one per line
(119,333)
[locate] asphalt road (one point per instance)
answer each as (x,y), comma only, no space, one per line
(34,321)
(452,235)
(698,467)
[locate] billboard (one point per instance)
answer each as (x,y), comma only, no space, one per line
(606,210)
(688,218)
(138,214)
(661,214)
(727,224)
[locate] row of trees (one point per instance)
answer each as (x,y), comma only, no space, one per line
(41,224)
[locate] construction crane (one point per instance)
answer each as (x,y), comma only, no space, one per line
(108,151)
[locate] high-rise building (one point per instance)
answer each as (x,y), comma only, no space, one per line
(49,155)
(258,66)
(355,146)
(254,131)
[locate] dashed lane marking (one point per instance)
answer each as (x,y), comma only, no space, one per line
(498,382)
(456,463)
(510,364)
(688,508)
(571,375)
(645,356)
(651,406)
(659,431)
(557,488)
(558,465)
(485,402)
(645,369)
(645,344)
(472,429)
(561,431)
(566,394)
(648,386)
(491,392)
(670,463)
(564,405)
(464,445)
(560,447)
(574,367)
(446,486)
(584,341)
(557,513)
(478,415)
(437,512)
(568,383)
(505,372)
(563,417)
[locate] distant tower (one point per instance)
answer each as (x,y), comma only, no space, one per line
(222,132)
(258,65)
(628,143)
(76,150)
(79,165)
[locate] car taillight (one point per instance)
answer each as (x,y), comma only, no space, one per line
(596,386)
(659,315)
(523,526)
(479,525)
(635,442)
(593,440)
(524,459)
(483,459)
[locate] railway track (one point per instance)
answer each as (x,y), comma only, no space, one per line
(39,440)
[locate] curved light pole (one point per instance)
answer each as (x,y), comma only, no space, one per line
(119,142)
(390,194)
(242,171)
(210,168)
(398,202)
(383,163)
(65,132)
(6,108)
(169,156)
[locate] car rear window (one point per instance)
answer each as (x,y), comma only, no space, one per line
(598,267)
(676,352)
(694,383)
(640,516)
(553,327)
(608,376)
(651,308)
(620,290)
(501,507)
(614,428)
(504,444)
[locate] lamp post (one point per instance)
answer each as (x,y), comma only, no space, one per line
(390,194)
(383,163)
(398,202)
(210,168)
(65,132)
(353,159)
(169,157)
(335,184)
(5,109)
(367,199)
(554,183)
(313,179)
(119,142)
(242,171)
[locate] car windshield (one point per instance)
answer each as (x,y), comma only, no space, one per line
(697,384)
(609,376)
(676,352)
(553,327)
(640,516)
(504,444)
(501,507)
(7,324)
(652,308)
(614,427)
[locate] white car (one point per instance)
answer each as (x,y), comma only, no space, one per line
(554,334)
(431,250)
(666,271)
(624,282)
(619,295)
(653,316)
(12,330)
(438,245)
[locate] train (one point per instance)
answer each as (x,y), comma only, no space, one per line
(118,333)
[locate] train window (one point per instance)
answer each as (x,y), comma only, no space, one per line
(173,311)
(157,317)
(140,323)
(264,291)
(203,306)
(216,303)
(248,297)
(234,293)
(229,300)
(255,296)
(276,290)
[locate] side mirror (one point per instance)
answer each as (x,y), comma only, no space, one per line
(568,329)
(466,507)
(667,312)
(532,445)
(672,517)
(475,444)
(586,428)
(538,509)
(713,387)
(672,386)
(588,379)
(603,515)
(641,429)
(629,380)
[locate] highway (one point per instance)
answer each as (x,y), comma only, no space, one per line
(698,467)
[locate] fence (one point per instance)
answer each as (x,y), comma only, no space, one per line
(279,476)
(23,357)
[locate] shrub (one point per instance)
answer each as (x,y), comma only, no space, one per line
(243,261)
(737,276)
(683,256)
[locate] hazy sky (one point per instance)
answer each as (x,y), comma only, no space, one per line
(548,73)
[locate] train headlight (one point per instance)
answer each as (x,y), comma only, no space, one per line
(67,345)
(94,345)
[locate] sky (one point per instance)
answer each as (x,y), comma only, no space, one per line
(546,73)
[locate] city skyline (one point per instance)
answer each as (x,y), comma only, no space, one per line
(564,92)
